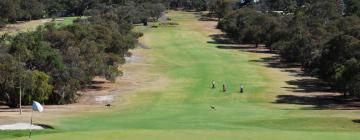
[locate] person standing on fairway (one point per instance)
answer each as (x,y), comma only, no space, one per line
(213,84)
(224,88)
(241,88)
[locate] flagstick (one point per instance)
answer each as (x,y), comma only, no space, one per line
(30,124)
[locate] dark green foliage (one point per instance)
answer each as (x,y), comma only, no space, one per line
(11,71)
(67,7)
(279,5)
(249,26)
(31,9)
(2,24)
(133,10)
(40,89)
(340,62)
(154,10)
(13,10)
(187,4)
(10,10)
(352,7)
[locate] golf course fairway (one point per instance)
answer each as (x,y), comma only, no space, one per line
(176,104)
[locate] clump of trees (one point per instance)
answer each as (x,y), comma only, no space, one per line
(14,10)
(246,26)
(51,64)
(322,36)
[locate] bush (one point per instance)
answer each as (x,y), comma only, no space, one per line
(2,24)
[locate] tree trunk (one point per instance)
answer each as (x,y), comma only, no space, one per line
(20,94)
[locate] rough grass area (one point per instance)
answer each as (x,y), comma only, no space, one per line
(32,25)
(180,106)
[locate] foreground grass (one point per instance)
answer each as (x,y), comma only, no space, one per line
(180,107)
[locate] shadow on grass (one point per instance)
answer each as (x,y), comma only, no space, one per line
(45,126)
(220,39)
(304,90)
(308,85)
(7,109)
(205,16)
(275,62)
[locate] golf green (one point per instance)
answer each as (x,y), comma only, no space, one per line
(184,61)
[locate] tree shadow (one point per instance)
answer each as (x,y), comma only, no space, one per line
(276,62)
(45,126)
(205,17)
(356,121)
(98,82)
(96,85)
(316,93)
(220,39)
(6,108)
(234,47)
(223,42)
(308,85)
(321,102)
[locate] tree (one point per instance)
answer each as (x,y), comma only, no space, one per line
(10,10)
(40,87)
(340,62)
(323,11)
(279,5)
(32,9)
(352,7)
(154,10)
(12,75)
(249,26)
(223,8)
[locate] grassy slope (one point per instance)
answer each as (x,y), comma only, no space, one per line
(181,109)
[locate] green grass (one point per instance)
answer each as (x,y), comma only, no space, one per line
(180,110)
(68,21)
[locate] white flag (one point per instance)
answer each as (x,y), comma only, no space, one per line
(37,107)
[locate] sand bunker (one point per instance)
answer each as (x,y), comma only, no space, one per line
(19,126)
(104,99)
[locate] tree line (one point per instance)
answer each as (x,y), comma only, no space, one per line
(51,64)
(322,36)
(12,11)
